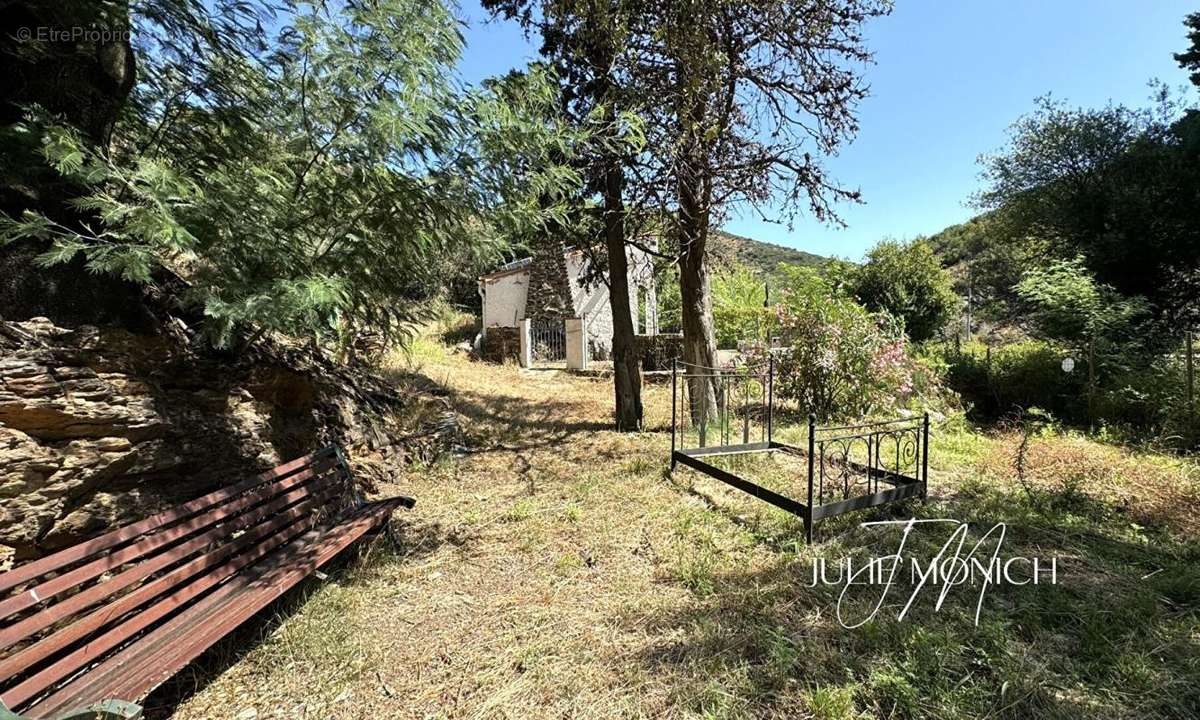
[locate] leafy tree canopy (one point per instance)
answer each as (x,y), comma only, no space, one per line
(1190,58)
(314,179)
(907,280)
(1116,186)
(1067,305)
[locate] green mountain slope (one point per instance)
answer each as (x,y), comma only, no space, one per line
(758,255)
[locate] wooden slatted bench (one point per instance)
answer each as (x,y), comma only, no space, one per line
(111,618)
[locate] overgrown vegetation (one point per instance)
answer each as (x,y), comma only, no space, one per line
(836,359)
(534,580)
(906,280)
(332,148)
(1086,253)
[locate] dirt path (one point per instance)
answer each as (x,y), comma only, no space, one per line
(532,583)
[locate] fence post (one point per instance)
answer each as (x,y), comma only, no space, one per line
(524,330)
(771,396)
(746,406)
(575,336)
(674,411)
(812,454)
(925,458)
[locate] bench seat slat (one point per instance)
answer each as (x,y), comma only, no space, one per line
(101,565)
(97,647)
(80,628)
(140,667)
(252,593)
(17,631)
(36,568)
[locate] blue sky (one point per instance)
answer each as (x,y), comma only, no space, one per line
(949,78)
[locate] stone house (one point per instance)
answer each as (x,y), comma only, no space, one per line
(552,285)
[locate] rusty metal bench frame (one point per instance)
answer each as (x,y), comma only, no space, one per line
(113,617)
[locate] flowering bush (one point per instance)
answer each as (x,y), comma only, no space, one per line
(837,359)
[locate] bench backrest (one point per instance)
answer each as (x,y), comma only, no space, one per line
(60,613)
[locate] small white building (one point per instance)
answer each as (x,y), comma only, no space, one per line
(504,293)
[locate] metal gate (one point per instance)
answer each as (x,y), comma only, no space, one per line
(548,339)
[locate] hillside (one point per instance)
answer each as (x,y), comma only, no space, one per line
(984,268)
(761,256)
(956,244)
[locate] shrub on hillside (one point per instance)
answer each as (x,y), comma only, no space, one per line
(838,360)
(907,280)
(1015,376)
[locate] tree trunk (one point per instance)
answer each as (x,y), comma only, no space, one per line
(627,372)
(699,337)
(84,79)
(693,176)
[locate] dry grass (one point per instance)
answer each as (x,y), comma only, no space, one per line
(1148,488)
(554,570)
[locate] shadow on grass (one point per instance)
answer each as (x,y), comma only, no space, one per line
(526,424)
(372,555)
(1114,638)
(462,331)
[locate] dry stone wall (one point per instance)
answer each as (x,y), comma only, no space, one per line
(101,426)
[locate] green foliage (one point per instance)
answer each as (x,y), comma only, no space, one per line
(670,301)
(1003,380)
(1114,186)
(837,359)
(1150,402)
(907,280)
(811,284)
(749,277)
(1068,304)
(1142,401)
(739,307)
(1190,59)
(333,183)
(830,703)
(839,275)
(1090,243)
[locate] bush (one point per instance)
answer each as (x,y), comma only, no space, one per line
(1016,376)
(1151,402)
(739,312)
(1147,401)
(838,360)
(734,325)
(906,280)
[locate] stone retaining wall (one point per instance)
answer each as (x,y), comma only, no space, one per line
(500,344)
(657,351)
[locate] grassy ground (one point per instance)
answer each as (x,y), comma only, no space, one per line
(556,570)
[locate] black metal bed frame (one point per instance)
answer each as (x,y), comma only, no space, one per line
(847,464)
